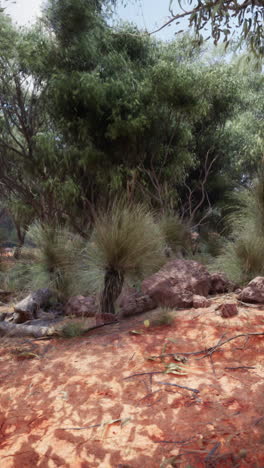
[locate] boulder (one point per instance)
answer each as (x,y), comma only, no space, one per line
(220,284)
(176,284)
(200,302)
(253,292)
(81,306)
(132,302)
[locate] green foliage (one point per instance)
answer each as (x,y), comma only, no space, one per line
(164,318)
(89,112)
(72,330)
(56,258)
(242,256)
(176,234)
(222,16)
(18,278)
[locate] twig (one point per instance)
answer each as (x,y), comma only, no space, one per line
(195,353)
(143,373)
(212,452)
(244,345)
(216,347)
(148,394)
(254,306)
(258,420)
(88,427)
(194,390)
(86,330)
(210,350)
(212,364)
(181,442)
(239,367)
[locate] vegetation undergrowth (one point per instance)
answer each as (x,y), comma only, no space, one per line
(72,330)
(242,257)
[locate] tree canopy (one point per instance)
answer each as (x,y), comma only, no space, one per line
(222,19)
(88,112)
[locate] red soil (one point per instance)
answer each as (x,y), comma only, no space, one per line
(45,402)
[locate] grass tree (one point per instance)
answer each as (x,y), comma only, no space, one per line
(56,258)
(176,233)
(125,243)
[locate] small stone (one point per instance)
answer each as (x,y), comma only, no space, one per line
(220,284)
(200,302)
(228,309)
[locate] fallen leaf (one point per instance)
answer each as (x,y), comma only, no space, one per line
(125,422)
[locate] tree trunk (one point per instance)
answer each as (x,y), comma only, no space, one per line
(21,234)
(113,284)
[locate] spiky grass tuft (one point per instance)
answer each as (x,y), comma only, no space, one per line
(56,259)
(126,242)
(176,234)
(72,330)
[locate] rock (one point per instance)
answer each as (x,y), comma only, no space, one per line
(254,291)
(5,296)
(28,307)
(81,306)
(176,284)
(200,302)
(132,302)
(220,284)
(2,316)
(228,309)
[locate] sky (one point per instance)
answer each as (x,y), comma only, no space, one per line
(147,14)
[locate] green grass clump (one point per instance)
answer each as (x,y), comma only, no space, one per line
(72,330)
(165,318)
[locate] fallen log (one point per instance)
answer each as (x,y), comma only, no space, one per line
(20,330)
(27,308)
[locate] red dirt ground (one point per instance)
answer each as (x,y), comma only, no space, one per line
(46,402)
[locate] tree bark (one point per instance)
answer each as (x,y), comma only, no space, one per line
(21,234)
(13,329)
(28,307)
(113,284)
